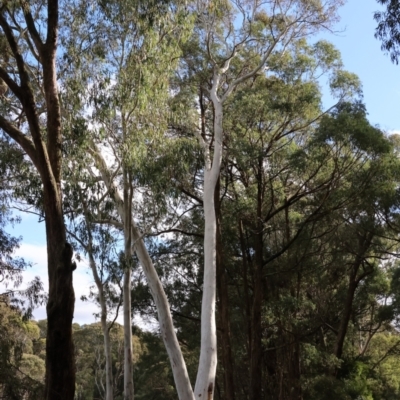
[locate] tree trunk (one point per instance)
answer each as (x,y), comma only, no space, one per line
(205,380)
(102,300)
(168,334)
(60,361)
(208,350)
(127,307)
(45,152)
(256,327)
(256,338)
(246,290)
(128,360)
(365,242)
(107,347)
(223,307)
(348,307)
(104,328)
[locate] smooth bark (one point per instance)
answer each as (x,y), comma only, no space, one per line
(127,308)
(168,334)
(109,395)
(205,381)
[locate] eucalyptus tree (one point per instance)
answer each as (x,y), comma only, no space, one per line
(12,167)
(267,187)
(311,193)
(387,30)
(31,116)
(21,371)
(235,41)
(346,289)
(228,58)
(132,51)
(99,244)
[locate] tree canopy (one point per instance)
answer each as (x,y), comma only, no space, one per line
(181,151)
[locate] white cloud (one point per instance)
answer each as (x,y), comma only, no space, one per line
(36,254)
(82,281)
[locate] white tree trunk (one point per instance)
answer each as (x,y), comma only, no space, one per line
(128,356)
(127,307)
(103,306)
(181,377)
(107,353)
(104,328)
(205,381)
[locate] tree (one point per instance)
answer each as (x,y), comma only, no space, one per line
(22,371)
(128,98)
(31,116)
(98,246)
(236,42)
(387,30)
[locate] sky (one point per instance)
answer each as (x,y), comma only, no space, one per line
(361,54)
(33,249)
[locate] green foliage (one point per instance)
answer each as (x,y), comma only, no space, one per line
(388,28)
(308,205)
(21,371)
(152,374)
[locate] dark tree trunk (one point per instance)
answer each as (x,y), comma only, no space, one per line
(256,326)
(354,280)
(60,363)
(45,153)
(256,337)
(245,271)
(289,387)
(223,306)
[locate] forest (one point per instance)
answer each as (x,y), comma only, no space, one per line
(180,151)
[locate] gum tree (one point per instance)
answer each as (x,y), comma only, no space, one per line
(387,30)
(132,49)
(31,116)
(237,40)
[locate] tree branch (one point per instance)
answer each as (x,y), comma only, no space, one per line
(200,235)
(32,30)
(12,85)
(20,138)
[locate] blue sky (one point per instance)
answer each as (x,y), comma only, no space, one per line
(361,54)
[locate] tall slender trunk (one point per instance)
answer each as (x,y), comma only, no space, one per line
(105,330)
(45,152)
(290,352)
(107,347)
(128,355)
(205,380)
(127,307)
(60,361)
(223,306)
(181,377)
(168,334)
(245,271)
(256,331)
(103,306)
(256,337)
(347,310)
(364,244)
(289,365)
